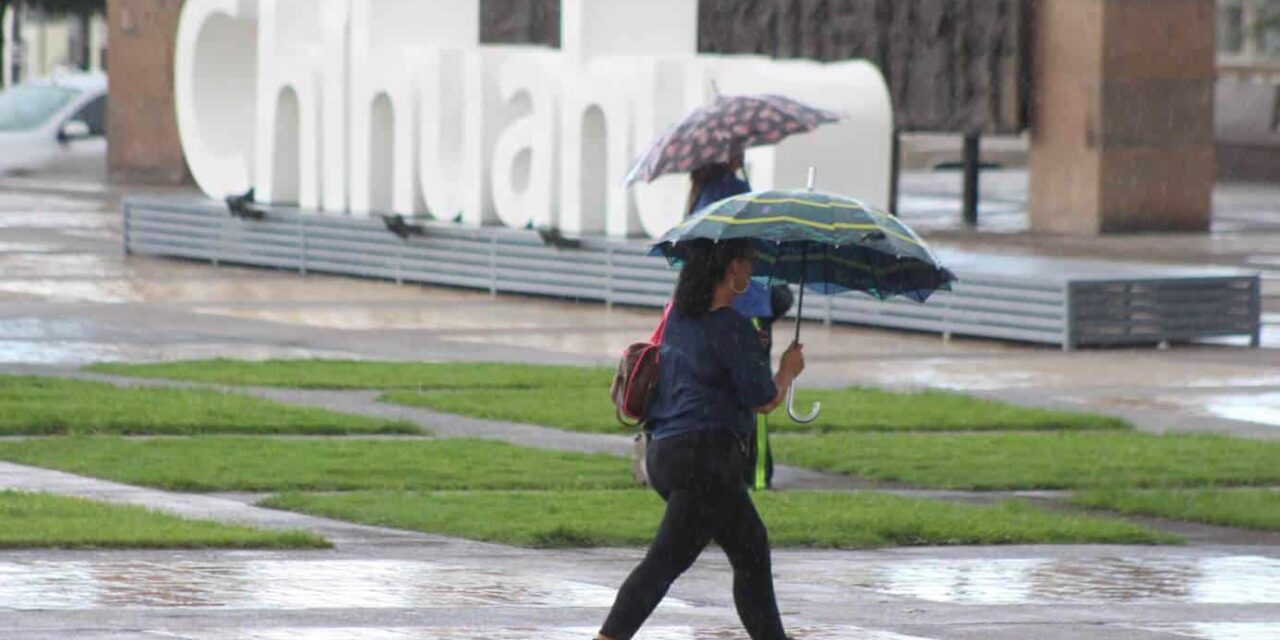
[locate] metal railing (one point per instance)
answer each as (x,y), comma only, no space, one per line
(1056,302)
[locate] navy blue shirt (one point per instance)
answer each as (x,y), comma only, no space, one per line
(723,186)
(714,373)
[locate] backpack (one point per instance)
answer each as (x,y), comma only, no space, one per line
(637,377)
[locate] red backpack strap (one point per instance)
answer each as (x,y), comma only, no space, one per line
(656,338)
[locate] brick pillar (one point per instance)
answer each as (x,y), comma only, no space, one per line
(1122,118)
(142,127)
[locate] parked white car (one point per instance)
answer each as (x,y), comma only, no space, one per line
(47,120)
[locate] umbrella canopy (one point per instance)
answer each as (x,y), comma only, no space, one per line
(826,242)
(716,133)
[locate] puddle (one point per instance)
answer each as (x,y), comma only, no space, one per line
(583,343)
(526,633)
(414,314)
(112,235)
(27,247)
(43,328)
(81,352)
(1214,580)
(281,584)
(102,291)
(59,265)
(942,373)
(1263,261)
(17,202)
(943,212)
(1219,630)
(230,289)
(1269,338)
(1091,370)
(1262,408)
(58,352)
(59,220)
(1259,408)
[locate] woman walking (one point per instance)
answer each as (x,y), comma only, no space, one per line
(761,304)
(714,377)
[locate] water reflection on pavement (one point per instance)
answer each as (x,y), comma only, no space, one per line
(529,633)
(1220,630)
(281,584)
(994,581)
(308,584)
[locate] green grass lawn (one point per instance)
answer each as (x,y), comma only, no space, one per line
(36,405)
(359,374)
(1246,508)
(280,464)
(797,518)
(590,410)
(44,520)
(1063,460)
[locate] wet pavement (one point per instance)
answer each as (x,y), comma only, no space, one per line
(68,296)
(982,581)
(282,584)
(524,633)
(455,589)
(1218,630)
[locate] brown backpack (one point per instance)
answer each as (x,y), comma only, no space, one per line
(637,377)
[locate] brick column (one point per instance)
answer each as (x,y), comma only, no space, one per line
(1122,119)
(142,127)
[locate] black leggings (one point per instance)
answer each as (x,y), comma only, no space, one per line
(700,477)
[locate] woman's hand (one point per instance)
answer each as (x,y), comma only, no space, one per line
(792,360)
(790,367)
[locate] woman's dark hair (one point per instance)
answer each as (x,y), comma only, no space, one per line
(705,265)
(698,178)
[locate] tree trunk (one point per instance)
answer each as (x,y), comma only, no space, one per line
(85,21)
(4,39)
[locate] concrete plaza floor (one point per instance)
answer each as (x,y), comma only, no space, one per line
(68,296)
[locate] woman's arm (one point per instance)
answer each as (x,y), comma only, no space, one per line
(788,370)
(737,345)
(783,382)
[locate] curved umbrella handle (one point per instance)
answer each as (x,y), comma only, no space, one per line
(791,408)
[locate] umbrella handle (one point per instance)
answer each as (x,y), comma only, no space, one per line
(791,408)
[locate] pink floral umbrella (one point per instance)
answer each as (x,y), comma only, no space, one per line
(717,132)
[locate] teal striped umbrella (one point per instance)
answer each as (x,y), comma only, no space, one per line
(820,241)
(825,242)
